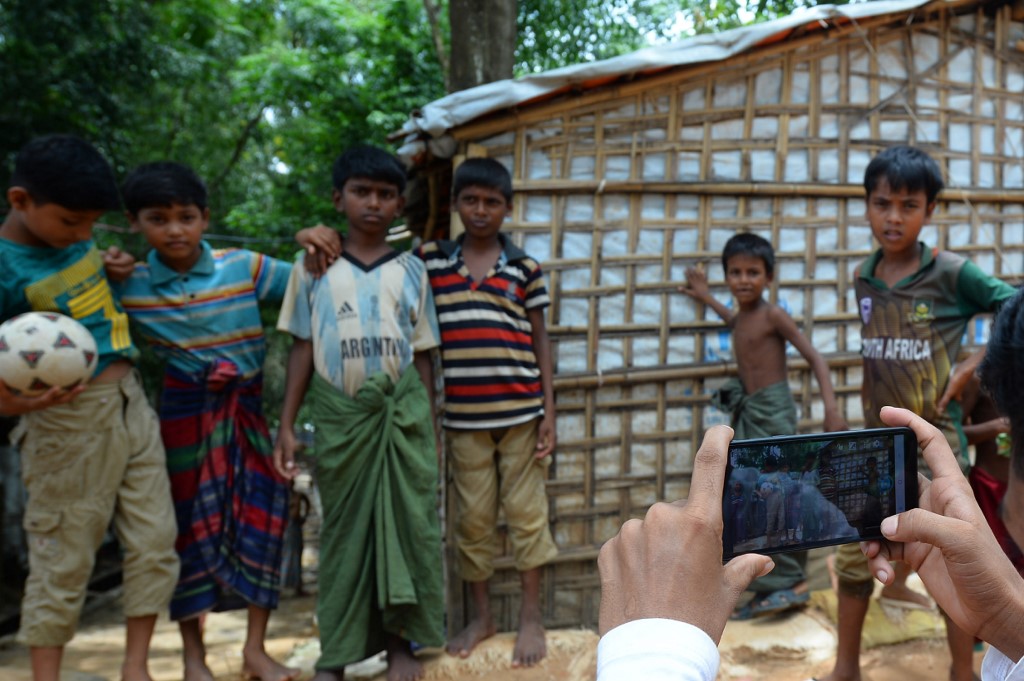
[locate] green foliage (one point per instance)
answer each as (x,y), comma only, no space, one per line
(597,29)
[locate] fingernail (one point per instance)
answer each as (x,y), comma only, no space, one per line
(880,575)
(889,526)
(768,568)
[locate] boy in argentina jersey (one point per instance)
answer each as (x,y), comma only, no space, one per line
(361,340)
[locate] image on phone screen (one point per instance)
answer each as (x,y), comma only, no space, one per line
(791,493)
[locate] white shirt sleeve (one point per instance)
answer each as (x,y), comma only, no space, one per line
(995,667)
(657,650)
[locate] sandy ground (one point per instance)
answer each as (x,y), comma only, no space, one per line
(791,647)
(900,645)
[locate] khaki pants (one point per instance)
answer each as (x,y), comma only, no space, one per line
(97,458)
(492,467)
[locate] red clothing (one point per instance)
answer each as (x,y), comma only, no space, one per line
(990,492)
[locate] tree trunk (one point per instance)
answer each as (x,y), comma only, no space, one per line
(483,41)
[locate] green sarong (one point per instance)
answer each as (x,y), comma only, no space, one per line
(769,411)
(380,543)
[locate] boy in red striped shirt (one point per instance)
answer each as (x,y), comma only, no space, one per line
(499,403)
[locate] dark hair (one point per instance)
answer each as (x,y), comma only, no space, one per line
(68,171)
(369,162)
(752,245)
(1002,371)
(905,168)
(483,172)
(162,183)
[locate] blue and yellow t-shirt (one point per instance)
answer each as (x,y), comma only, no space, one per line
(70,281)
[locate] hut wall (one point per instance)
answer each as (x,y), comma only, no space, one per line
(619,190)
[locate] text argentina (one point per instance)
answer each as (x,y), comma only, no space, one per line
(358,348)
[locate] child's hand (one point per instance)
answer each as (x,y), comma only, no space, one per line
(284,454)
(322,245)
(118,264)
(696,285)
(546,437)
(12,404)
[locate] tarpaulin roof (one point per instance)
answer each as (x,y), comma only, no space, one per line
(440,116)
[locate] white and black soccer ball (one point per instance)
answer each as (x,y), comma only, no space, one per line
(39,350)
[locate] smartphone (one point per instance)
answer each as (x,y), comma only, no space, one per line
(797,492)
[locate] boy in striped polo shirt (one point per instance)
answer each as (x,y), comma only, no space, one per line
(198,308)
(499,403)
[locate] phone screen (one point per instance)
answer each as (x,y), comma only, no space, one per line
(795,492)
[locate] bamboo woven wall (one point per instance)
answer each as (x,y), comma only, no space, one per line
(618,190)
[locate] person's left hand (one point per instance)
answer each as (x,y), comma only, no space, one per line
(947,541)
(118,264)
(669,565)
(546,437)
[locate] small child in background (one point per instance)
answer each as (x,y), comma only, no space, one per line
(759,400)
(989,432)
(291,565)
(199,308)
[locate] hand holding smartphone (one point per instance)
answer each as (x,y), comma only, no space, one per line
(795,492)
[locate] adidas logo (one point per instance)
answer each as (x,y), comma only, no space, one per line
(346,311)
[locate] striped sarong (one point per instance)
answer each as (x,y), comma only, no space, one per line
(230,504)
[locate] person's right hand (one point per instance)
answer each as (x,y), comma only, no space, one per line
(947,541)
(696,285)
(284,453)
(323,246)
(118,264)
(669,565)
(13,404)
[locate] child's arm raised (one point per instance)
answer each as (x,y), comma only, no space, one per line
(696,287)
(300,370)
(786,327)
(547,435)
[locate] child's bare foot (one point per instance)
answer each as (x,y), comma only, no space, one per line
(135,673)
(477,630)
(196,671)
(402,664)
(256,664)
(531,645)
(902,592)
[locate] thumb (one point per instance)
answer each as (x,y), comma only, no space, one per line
(919,525)
(742,570)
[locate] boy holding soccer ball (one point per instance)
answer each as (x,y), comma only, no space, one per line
(93,453)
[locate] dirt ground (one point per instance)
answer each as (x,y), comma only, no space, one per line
(792,647)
